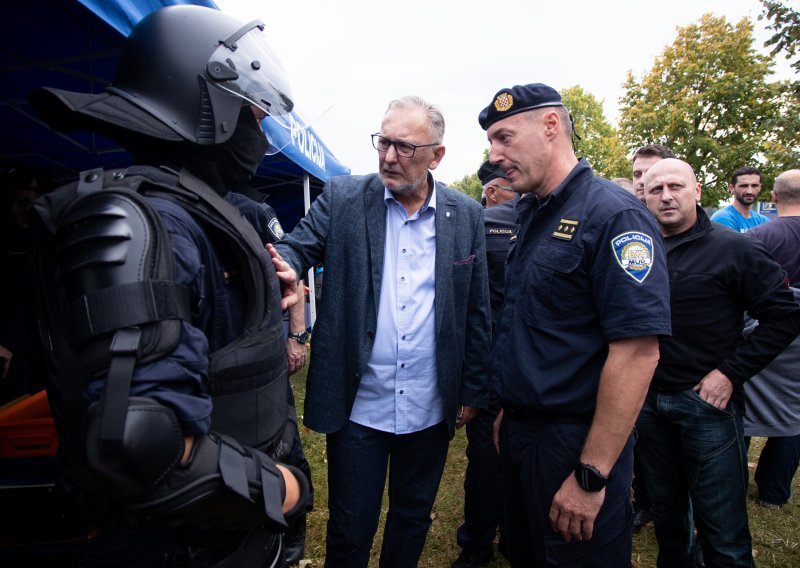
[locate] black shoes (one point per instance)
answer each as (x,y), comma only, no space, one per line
(473,558)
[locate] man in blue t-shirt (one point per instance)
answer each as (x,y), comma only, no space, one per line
(745,186)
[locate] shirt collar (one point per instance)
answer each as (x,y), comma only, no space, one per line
(429,202)
(560,194)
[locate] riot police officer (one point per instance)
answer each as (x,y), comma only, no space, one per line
(162,310)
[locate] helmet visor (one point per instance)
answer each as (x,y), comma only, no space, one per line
(246,66)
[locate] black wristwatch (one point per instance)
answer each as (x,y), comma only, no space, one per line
(590,478)
(301,338)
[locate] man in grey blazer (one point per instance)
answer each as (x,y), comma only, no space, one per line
(400,347)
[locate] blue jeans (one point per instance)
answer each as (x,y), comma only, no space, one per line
(358,458)
(690,448)
(777,465)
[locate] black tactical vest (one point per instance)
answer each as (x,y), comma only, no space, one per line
(110,302)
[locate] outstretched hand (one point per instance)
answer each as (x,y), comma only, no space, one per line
(286,276)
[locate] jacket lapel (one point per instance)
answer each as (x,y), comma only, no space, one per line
(445,222)
(375,209)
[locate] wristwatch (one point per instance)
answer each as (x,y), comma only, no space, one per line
(301,338)
(590,478)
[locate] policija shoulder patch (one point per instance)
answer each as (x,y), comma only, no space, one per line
(634,253)
(275,227)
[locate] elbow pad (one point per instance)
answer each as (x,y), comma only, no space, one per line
(224,486)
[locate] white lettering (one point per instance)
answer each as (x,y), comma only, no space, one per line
(304,140)
(632,237)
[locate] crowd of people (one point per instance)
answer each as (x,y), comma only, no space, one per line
(591,335)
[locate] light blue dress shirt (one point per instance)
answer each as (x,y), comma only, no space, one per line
(398,392)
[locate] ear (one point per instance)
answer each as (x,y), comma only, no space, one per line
(730,187)
(698,192)
(438,154)
(552,123)
(774,197)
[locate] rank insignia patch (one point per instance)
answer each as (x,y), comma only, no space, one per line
(503,102)
(275,227)
(634,253)
(566,229)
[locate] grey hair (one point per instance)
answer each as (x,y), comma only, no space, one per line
(563,117)
(433,112)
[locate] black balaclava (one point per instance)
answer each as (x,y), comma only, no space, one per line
(224,167)
(230,165)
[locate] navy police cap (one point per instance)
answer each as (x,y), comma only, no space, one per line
(519,98)
(489,172)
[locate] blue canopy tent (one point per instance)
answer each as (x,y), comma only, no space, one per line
(74,45)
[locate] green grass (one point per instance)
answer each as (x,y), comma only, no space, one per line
(776,534)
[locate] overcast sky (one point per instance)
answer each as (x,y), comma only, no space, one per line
(347,59)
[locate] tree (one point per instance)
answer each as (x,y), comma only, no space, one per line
(786,25)
(599,141)
(470,184)
(707,97)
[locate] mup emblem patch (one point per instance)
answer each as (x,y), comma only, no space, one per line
(275,227)
(634,253)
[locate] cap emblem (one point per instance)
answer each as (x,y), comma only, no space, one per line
(503,102)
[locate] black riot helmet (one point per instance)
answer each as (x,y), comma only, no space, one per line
(184,74)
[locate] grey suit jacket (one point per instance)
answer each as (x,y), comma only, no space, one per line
(345,229)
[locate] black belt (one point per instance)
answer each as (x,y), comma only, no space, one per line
(539,417)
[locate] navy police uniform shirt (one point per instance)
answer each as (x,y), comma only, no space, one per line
(260,215)
(586,267)
(499,223)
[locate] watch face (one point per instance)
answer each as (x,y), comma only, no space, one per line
(300,337)
(589,478)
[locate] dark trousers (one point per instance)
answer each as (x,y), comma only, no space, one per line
(483,507)
(358,458)
(641,500)
(536,458)
(690,448)
(777,465)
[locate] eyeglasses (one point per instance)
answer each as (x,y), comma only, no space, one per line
(403,149)
(503,187)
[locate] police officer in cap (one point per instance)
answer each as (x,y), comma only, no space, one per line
(162,310)
(483,505)
(587,297)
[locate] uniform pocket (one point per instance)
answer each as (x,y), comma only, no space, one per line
(558,283)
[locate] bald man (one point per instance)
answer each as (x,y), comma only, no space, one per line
(691,439)
(773,400)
